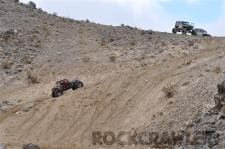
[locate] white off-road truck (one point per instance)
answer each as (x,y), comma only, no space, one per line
(200,32)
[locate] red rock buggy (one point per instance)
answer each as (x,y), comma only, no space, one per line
(64,85)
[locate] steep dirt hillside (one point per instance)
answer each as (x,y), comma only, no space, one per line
(133,79)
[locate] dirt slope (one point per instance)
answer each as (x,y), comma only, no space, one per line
(126,72)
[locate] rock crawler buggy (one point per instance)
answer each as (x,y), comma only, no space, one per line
(64,85)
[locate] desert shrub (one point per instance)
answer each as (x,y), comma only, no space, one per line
(217,70)
(6,64)
(111,39)
(220,56)
(133,42)
(55,14)
(185,83)
(86,59)
(163,43)
(130,27)
(149,32)
(142,32)
(88,21)
(7,35)
(188,61)
(190,43)
(112,58)
(169,90)
(32,77)
(27,60)
(46,31)
(32,5)
(102,42)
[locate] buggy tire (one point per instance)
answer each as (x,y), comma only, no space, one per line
(80,84)
(77,84)
(57,93)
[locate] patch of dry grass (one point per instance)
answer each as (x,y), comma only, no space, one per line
(27,59)
(169,90)
(86,59)
(32,77)
(6,64)
(112,58)
(217,70)
(102,42)
(133,42)
(187,61)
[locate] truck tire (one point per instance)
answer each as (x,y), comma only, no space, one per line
(184,32)
(193,33)
(174,31)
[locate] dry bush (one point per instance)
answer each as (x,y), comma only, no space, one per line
(220,56)
(6,64)
(32,5)
(111,40)
(33,15)
(133,42)
(191,43)
(187,61)
(217,70)
(86,59)
(142,32)
(169,90)
(130,27)
(27,60)
(46,30)
(112,58)
(102,42)
(55,14)
(185,83)
(163,43)
(87,21)
(32,77)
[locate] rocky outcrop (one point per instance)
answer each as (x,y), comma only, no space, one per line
(207,130)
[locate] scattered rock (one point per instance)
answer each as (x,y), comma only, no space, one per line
(6,106)
(8,34)
(28,107)
(211,123)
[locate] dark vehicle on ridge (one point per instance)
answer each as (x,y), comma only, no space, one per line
(183,26)
(64,85)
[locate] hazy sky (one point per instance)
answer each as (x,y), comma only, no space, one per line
(158,15)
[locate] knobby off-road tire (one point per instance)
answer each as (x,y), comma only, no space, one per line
(77,84)
(57,93)
(174,31)
(184,32)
